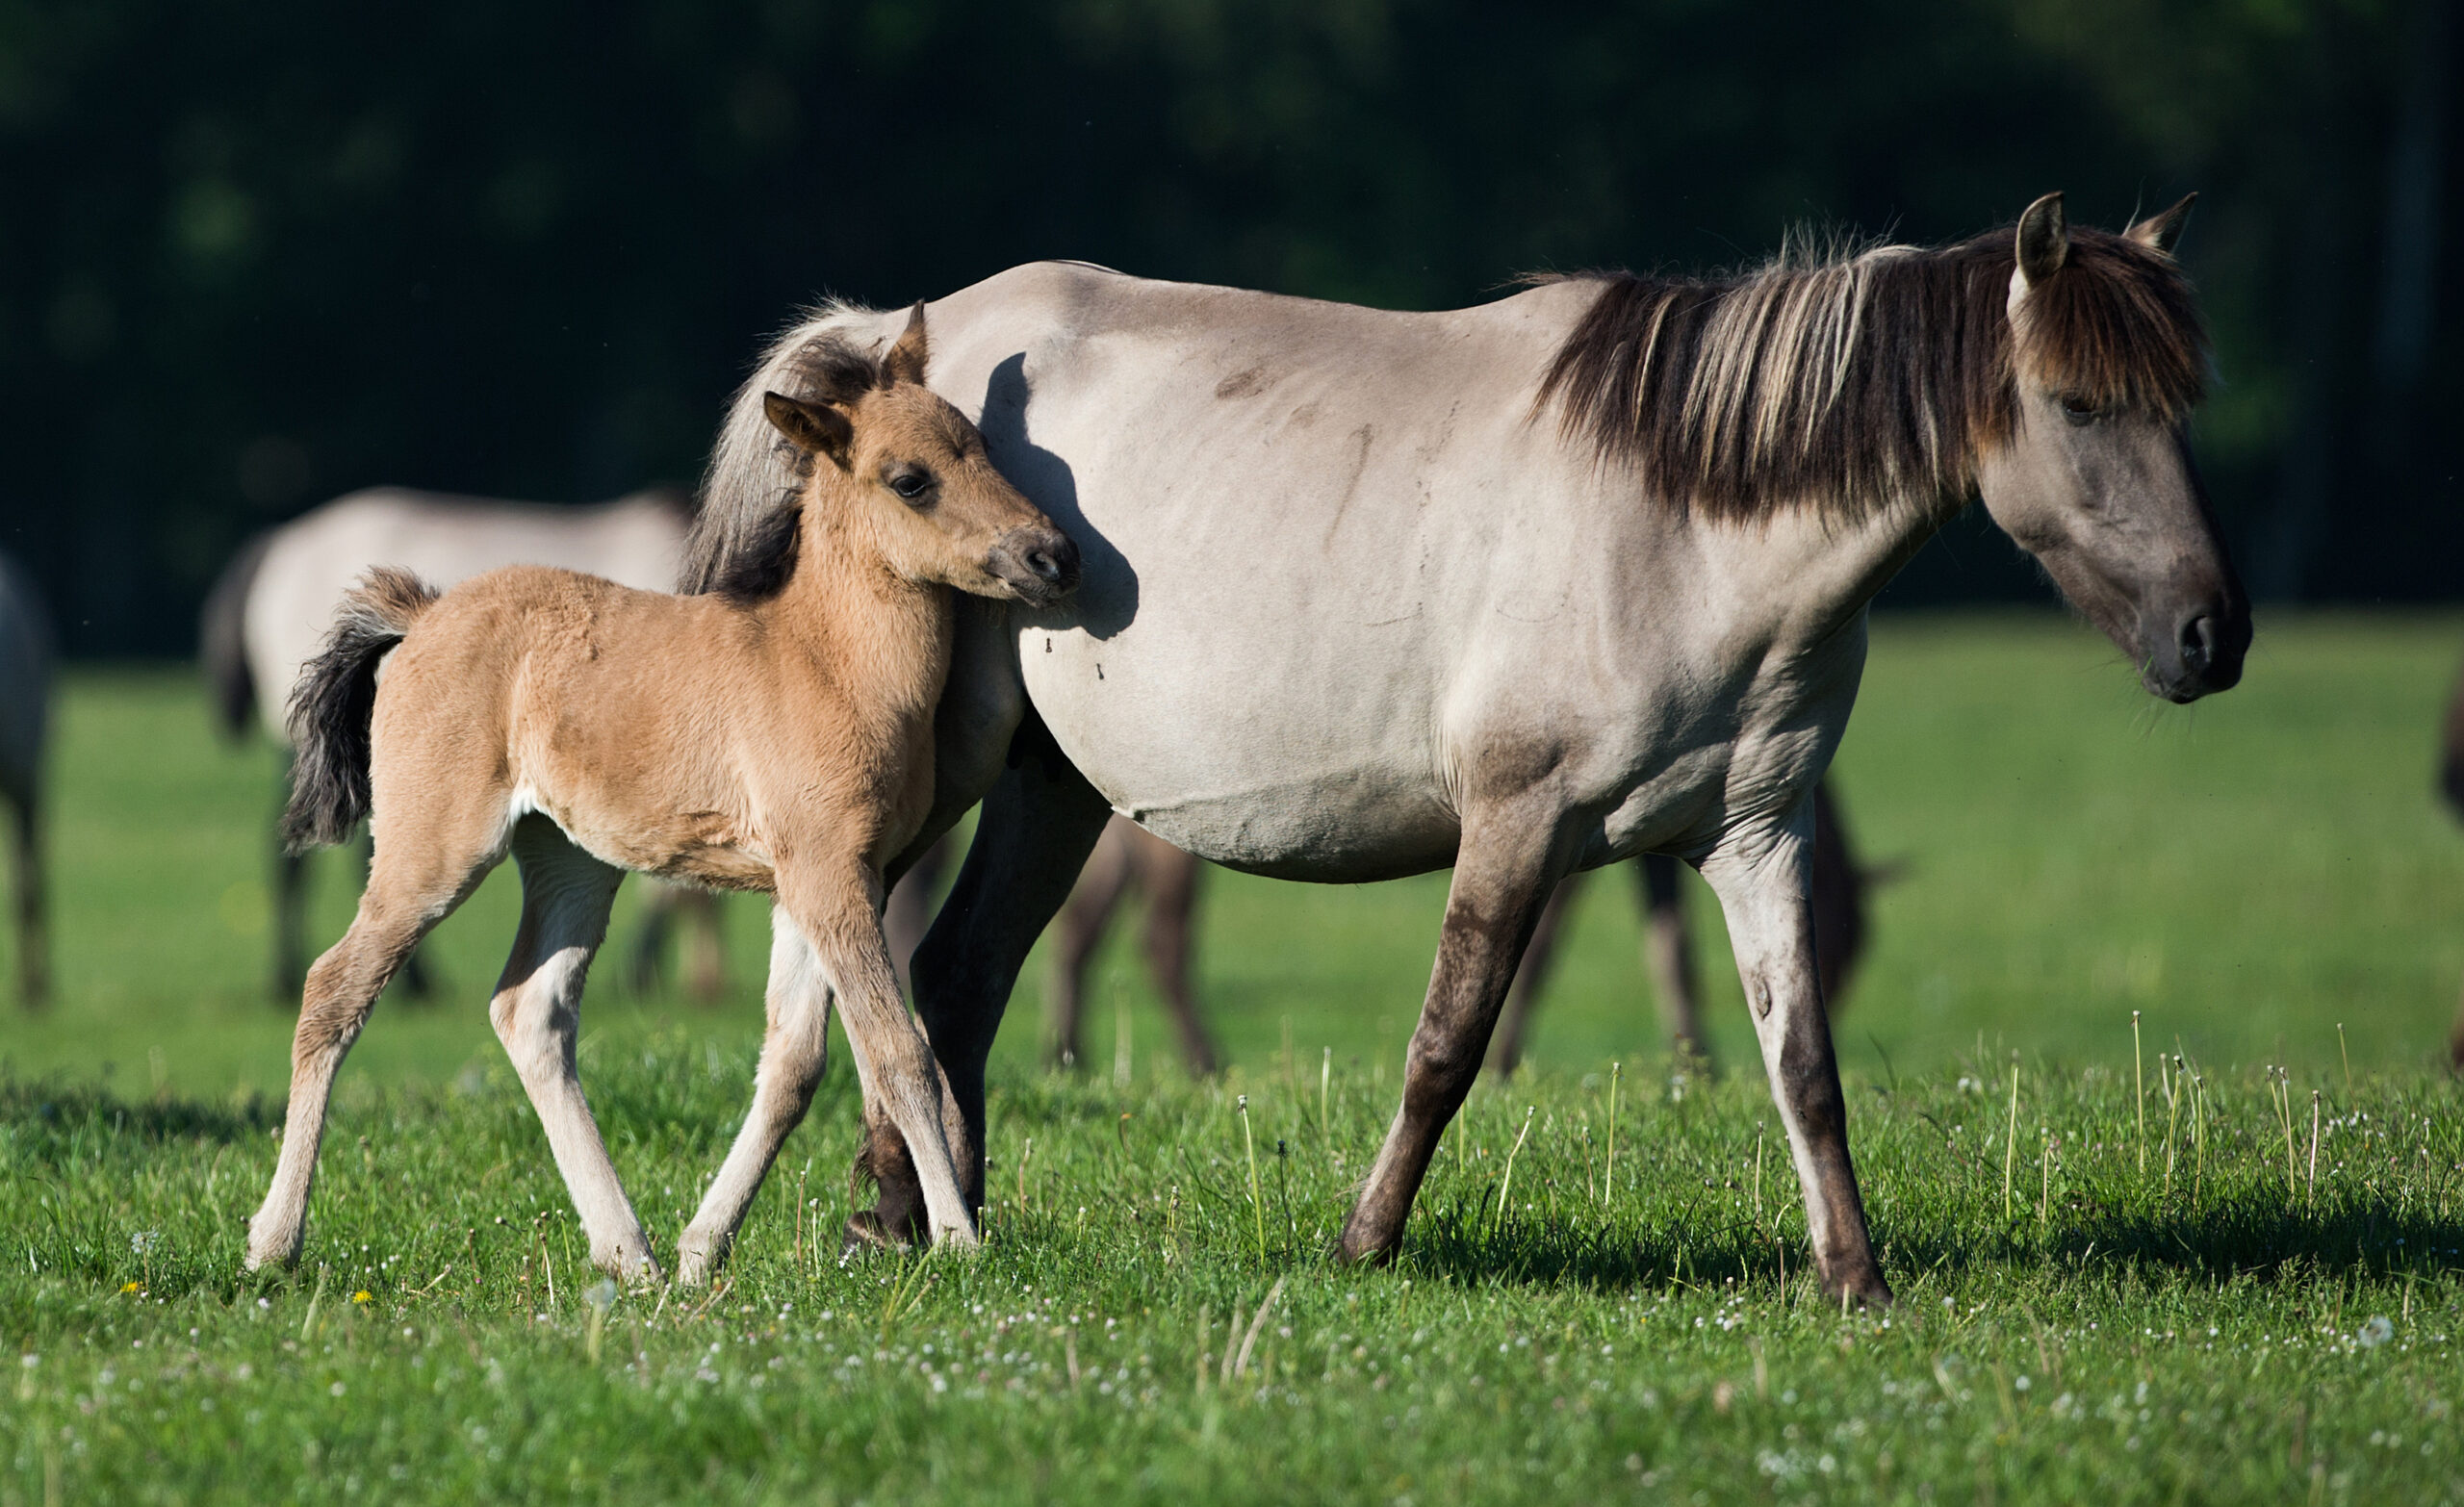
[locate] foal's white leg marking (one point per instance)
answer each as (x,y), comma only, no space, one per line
(794,1051)
(1764,891)
(537,1012)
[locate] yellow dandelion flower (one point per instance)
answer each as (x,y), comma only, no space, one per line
(360,1296)
(126,1287)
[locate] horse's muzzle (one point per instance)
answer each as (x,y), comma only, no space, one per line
(1039,564)
(2201,653)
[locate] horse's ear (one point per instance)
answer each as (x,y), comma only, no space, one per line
(814,429)
(2044,239)
(2161,232)
(905,362)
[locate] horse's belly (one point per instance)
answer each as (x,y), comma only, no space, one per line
(1255,759)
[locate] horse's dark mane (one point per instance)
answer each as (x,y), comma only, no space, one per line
(828,368)
(1847,382)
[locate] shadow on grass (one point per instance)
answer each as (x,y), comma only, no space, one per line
(64,1113)
(1459,1244)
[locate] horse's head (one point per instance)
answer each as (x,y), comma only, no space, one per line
(2094,477)
(884,455)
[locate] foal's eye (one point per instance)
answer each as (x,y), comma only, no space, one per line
(909,484)
(2078,410)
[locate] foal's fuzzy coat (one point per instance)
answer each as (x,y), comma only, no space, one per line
(776,736)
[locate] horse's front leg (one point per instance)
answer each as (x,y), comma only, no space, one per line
(1761,878)
(1511,858)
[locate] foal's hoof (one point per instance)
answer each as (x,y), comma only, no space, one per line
(1867,1290)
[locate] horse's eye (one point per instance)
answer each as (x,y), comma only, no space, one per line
(909,484)
(2078,410)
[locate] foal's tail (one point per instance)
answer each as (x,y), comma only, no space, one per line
(335,699)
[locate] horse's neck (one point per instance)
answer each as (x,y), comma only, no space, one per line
(1809,575)
(885,639)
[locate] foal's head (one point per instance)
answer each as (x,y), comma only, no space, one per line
(885,458)
(2094,478)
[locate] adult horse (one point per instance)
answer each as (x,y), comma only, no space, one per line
(25,726)
(1538,585)
(270,611)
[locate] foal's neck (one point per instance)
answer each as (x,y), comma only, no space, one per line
(882,636)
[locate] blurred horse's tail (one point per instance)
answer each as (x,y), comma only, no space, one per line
(222,641)
(332,708)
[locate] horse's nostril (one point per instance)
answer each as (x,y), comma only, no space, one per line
(1045,567)
(2198,642)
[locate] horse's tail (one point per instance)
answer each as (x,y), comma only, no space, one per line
(335,703)
(222,641)
(751,484)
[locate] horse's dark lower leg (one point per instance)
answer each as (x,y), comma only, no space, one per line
(1507,866)
(1040,822)
(1172,880)
(1771,924)
(1668,956)
(1505,1048)
(1077,931)
(33,944)
(1838,893)
(909,914)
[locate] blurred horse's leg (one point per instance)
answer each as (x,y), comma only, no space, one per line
(1079,930)
(1668,956)
(1170,878)
(34,943)
(909,914)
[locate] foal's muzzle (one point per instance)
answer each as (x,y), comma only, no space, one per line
(1039,564)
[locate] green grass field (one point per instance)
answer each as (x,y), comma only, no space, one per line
(2183,1311)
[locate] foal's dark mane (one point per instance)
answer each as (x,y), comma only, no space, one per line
(828,367)
(1846,382)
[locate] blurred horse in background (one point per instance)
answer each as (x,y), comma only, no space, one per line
(274,603)
(2451,780)
(25,724)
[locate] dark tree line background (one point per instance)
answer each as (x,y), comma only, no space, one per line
(256,254)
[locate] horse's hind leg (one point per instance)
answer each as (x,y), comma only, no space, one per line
(1509,859)
(537,1011)
(404,899)
(1170,878)
(1668,956)
(1102,884)
(1762,888)
(794,1050)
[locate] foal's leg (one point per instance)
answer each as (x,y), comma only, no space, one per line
(839,910)
(1762,880)
(1509,859)
(1668,956)
(793,1052)
(537,1011)
(1080,928)
(1040,822)
(1170,878)
(403,900)
(1531,977)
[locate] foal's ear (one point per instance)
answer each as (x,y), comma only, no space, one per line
(814,429)
(2044,239)
(2161,232)
(905,362)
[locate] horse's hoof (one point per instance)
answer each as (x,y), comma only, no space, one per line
(865,1231)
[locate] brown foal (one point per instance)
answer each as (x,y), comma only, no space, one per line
(775,735)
